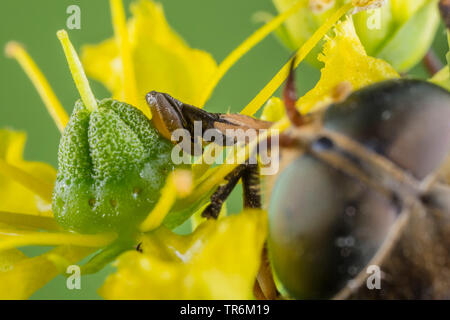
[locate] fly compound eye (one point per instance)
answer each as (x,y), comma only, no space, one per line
(404,120)
(325,227)
(328,224)
(322,144)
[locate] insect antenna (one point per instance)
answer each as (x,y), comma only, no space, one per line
(290,98)
(444,6)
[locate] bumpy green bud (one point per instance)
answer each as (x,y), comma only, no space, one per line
(400,32)
(112,166)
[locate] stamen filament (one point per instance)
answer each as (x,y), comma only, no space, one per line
(107,255)
(246,46)
(128,75)
(178,184)
(54,239)
(39,187)
(28,221)
(162,207)
(54,107)
(76,68)
(301,53)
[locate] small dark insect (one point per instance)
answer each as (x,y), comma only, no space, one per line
(169,114)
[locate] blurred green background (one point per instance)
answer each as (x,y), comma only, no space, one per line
(216,26)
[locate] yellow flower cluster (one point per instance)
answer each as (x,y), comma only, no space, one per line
(220,259)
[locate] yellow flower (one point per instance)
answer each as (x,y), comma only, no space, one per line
(357,68)
(21,276)
(345,60)
(400,32)
(25,189)
(135,61)
(14,196)
(346,67)
(219,260)
(160,59)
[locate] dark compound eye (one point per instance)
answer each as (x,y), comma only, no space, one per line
(323,143)
(405,120)
(326,226)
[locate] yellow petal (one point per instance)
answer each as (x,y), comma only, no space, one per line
(24,276)
(10,257)
(305,49)
(442,78)
(345,61)
(162,60)
(119,21)
(219,260)
(274,110)
(14,196)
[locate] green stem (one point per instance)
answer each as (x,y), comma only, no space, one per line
(107,255)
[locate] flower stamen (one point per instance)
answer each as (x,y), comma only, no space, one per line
(178,184)
(77,71)
(28,221)
(53,105)
(56,238)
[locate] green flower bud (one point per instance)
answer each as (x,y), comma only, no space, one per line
(112,166)
(400,32)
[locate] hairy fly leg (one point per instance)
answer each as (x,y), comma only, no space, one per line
(222,193)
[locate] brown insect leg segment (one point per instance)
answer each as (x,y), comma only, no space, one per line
(251,186)
(222,193)
(264,286)
(257,292)
(290,98)
(250,180)
(432,63)
(438,197)
(444,6)
(264,279)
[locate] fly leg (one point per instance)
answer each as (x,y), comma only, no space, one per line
(264,287)
(251,190)
(251,186)
(222,193)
